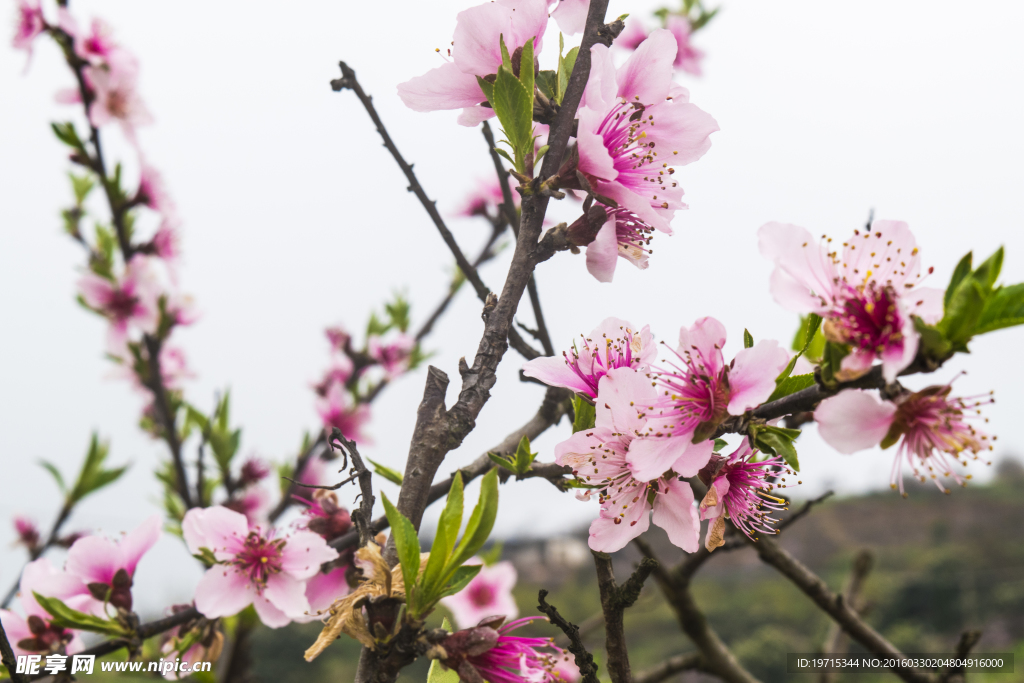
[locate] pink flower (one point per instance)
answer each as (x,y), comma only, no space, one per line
(99,49)
(394,355)
(29,23)
(28,534)
(130,302)
(483,199)
(485,653)
(254,503)
(253,566)
(338,372)
(476,52)
(324,589)
(174,366)
(600,458)
(636,125)
(571,15)
(317,473)
(253,471)
(867,296)
(933,430)
(116,99)
(324,515)
(738,487)
(107,567)
(687,57)
(336,410)
(489,594)
(152,191)
(33,633)
(624,235)
(167,241)
(697,393)
(338,338)
(612,344)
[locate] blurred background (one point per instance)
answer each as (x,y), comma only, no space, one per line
(295,218)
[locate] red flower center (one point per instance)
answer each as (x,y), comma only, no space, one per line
(260,558)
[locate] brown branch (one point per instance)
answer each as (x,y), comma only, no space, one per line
(737,540)
(361,517)
(8,658)
(963,648)
(584,660)
(835,606)
(591,624)
(717,657)
(615,599)
(670,667)
(836,642)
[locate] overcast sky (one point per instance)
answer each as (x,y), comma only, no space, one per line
(296,218)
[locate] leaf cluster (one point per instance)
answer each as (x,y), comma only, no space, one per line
(91,477)
(518,463)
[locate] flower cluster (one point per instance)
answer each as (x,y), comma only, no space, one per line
(489,651)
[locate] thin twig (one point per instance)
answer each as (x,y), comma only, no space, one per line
(361,517)
(584,660)
(968,639)
(836,642)
(592,624)
(301,463)
(670,667)
(835,606)
(8,658)
(35,553)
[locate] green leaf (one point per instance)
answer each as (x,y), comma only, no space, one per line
(791,385)
(963,312)
(407,544)
(524,458)
(52,469)
(486,88)
(777,441)
(962,270)
(66,133)
(69,618)
(565,67)
(462,576)
(394,476)
(526,70)
(93,476)
(503,462)
(720,444)
(504,154)
(492,555)
(1005,308)
(932,343)
(506,58)
(541,152)
(478,529)
(585,412)
(439,674)
(547,83)
(988,272)
(438,570)
(748,339)
(398,312)
(831,360)
(513,104)
(81,186)
(808,331)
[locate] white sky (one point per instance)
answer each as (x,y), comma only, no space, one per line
(295,218)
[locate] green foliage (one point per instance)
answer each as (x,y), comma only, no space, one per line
(512,100)
(437,673)
(547,83)
(216,431)
(791,385)
(832,360)
(776,441)
(68,618)
(585,412)
(91,477)
(565,67)
(444,573)
(813,349)
(81,186)
(398,312)
(720,444)
(748,339)
(973,306)
(67,134)
(520,462)
(394,476)
(808,329)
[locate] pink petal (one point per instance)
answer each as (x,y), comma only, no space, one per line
(571,16)
(223,592)
(17,630)
(500,578)
(675,512)
(854,420)
(886,255)
(620,395)
(323,589)
(896,357)
(694,458)
(857,362)
(803,259)
(647,74)
(42,577)
(601,86)
(217,528)
(94,559)
(649,458)
(607,537)
(270,615)
(474,116)
(135,544)
(752,375)
(553,371)
(684,128)
(926,303)
(95,290)
(595,160)
(445,87)
(577,448)
(603,252)
(304,553)
(704,340)
(286,593)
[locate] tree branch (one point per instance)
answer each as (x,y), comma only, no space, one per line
(719,660)
(52,539)
(835,641)
(8,658)
(584,660)
(834,605)
(615,600)
(669,668)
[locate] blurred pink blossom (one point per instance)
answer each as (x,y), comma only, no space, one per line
(28,534)
(488,594)
(336,409)
(129,302)
(116,99)
(33,633)
(29,23)
(107,567)
(393,354)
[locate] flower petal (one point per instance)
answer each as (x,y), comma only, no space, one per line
(223,592)
(651,457)
(323,589)
(217,528)
(286,593)
(647,74)
(603,252)
(607,537)
(854,420)
(694,458)
(444,87)
(704,340)
(571,16)
(94,559)
(135,544)
(804,260)
(304,553)
(675,512)
(553,371)
(752,375)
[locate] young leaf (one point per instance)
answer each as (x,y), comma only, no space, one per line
(720,444)
(82,186)
(506,58)
(962,270)
(486,88)
(778,441)
(394,476)
(480,522)
(1005,308)
(526,70)
(524,458)
(813,323)
(748,339)
(513,104)
(503,462)
(439,674)
(52,469)
(791,385)
(547,83)
(586,414)
(565,67)
(407,544)
(462,576)
(451,517)
(69,618)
